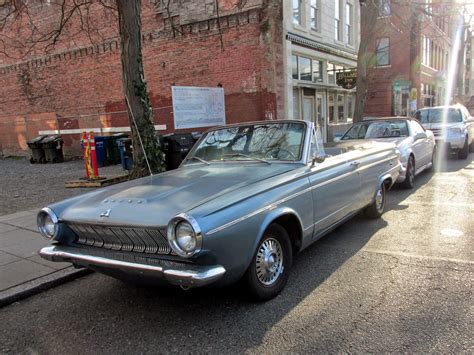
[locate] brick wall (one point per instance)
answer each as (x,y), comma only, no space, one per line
(81,87)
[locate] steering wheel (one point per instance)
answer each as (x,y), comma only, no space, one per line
(289,153)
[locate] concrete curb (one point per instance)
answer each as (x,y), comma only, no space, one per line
(43,283)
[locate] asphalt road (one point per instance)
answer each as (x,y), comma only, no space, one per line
(399,284)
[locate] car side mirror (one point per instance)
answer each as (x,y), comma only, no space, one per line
(318,158)
(421,135)
(337,139)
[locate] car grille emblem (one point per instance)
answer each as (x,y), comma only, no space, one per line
(105,213)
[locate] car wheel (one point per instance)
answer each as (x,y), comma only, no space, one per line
(269,270)
(410,174)
(463,153)
(376,208)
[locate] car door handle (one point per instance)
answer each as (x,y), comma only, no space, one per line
(355,163)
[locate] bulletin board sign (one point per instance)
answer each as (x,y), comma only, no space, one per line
(195,107)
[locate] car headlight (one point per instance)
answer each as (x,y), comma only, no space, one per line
(47,223)
(455,130)
(184,235)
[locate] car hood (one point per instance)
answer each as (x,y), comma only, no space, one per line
(396,140)
(155,200)
(440,125)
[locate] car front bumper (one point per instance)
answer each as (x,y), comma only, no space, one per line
(180,274)
(402,174)
(450,142)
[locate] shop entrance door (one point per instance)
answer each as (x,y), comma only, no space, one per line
(308,108)
(320,116)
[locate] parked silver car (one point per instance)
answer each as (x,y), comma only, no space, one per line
(452,126)
(244,201)
(416,145)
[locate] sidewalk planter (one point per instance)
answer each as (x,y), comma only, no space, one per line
(37,152)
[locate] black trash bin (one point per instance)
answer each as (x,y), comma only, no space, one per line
(126,152)
(37,152)
(53,149)
(176,146)
(112,149)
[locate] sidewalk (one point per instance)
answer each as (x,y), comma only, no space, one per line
(22,271)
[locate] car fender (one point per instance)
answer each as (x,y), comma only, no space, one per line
(381,179)
(269,218)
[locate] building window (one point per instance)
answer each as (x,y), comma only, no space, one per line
(385,8)
(349,16)
(304,65)
(428,6)
(337,21)
(314,13)
(331,73)
(383,51)
(340,108)
(294,66)
(297,9)
(331,108)
(317,71)
(427,51)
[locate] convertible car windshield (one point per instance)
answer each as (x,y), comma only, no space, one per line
(259,142)
(380,129)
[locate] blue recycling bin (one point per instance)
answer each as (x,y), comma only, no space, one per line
(126,154)
(100,149)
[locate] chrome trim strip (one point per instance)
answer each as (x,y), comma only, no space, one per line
(193,276)
(275,204)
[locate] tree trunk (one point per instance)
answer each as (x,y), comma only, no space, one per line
(140,113)
(368,19)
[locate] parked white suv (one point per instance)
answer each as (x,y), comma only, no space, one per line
(453,127)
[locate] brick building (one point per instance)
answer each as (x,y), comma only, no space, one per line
(78,85)
(412,53)
(279,60)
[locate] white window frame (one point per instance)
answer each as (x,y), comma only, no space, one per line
(316,6)
(349,23)
(338,20)
(377,49)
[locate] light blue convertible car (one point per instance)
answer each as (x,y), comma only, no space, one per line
(247,198)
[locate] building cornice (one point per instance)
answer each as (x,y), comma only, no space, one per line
(326,48)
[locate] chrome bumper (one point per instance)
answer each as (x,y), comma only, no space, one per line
(185,275)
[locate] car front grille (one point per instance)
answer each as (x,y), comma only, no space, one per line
(437,132)
(133,239)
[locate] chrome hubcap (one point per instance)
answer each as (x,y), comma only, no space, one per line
(269,261)
(379,199)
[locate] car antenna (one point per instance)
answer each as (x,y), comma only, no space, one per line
(138,133)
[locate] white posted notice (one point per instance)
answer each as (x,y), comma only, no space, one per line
(198,107)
